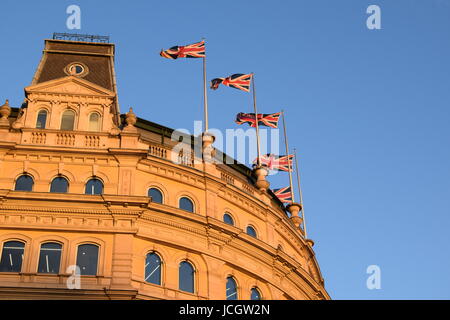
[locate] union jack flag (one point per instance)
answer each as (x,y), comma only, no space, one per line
(284,194)
(268,120)
(279,163)
(196,50)
(238,81)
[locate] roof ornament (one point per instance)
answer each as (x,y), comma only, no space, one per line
(5,112)
(130,119)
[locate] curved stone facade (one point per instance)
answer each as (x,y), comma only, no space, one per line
(130,157)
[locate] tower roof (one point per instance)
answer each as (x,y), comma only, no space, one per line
(92,61)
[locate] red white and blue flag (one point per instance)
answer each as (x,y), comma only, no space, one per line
(196,50)
(268,120)
(284,194)
(238,81)
(277,163)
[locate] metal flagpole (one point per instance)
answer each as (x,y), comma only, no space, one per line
(205,95)
(256,120)
(287,154)
(300,192)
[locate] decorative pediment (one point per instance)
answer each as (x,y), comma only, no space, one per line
(70,85)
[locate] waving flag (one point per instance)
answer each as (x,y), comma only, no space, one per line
(279,163)
(196,50)
(238,81)
(284,194)
(268,120)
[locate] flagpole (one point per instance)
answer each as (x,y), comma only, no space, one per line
(287,155)
(205,95)
(257,120)
(300,193)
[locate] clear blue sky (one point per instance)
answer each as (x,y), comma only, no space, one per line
(368,111)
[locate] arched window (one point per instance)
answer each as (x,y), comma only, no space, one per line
(59,185)
(94,186)
(186,277)
(186,204)
(68,120)
(41,121)
(255,294)
(87,259)
(156,195)
(94,122)
(12,256)
(153,268)
(50,258)
(231,293)
(228,219)
(251,231)
(24,183)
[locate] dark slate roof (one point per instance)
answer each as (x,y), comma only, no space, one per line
(98,57)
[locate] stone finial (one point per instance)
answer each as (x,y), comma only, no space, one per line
(294,209)
(209,151)
(261,173)
(5,111)
(130,118)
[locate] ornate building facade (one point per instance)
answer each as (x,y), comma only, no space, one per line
(87,190)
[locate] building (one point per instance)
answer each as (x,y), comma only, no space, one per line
(82,185)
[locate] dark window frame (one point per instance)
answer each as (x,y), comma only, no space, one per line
(160,268)
(50,249)
(190,201)
(193,274)
(11,242)
(159,190)
(23,176)
(97,260)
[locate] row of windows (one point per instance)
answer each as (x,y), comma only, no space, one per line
(68,120)
(58,185)
(153,273)
(87,260)
(49,258)
(95,186)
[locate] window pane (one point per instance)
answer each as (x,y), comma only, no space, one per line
(255,295)
(41,119)
(67,120)
(94,186)
(50,258)
(186,277)
(12,256)
(231,293)
(156,195)
(186,204)
(153,269)
(24,183)
(87,259)
(228,219)
(60,185)
(94,122)
(251,231)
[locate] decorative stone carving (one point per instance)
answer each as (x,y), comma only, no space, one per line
(5,111)
(294,209)
(19,123)
(261,173)
(130,119)
(208,150)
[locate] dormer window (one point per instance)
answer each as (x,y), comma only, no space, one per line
(41,119)
(94,122)
(67,120)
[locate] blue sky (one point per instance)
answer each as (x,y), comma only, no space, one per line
(368,111)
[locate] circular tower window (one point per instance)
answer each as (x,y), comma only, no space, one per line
(76,69)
